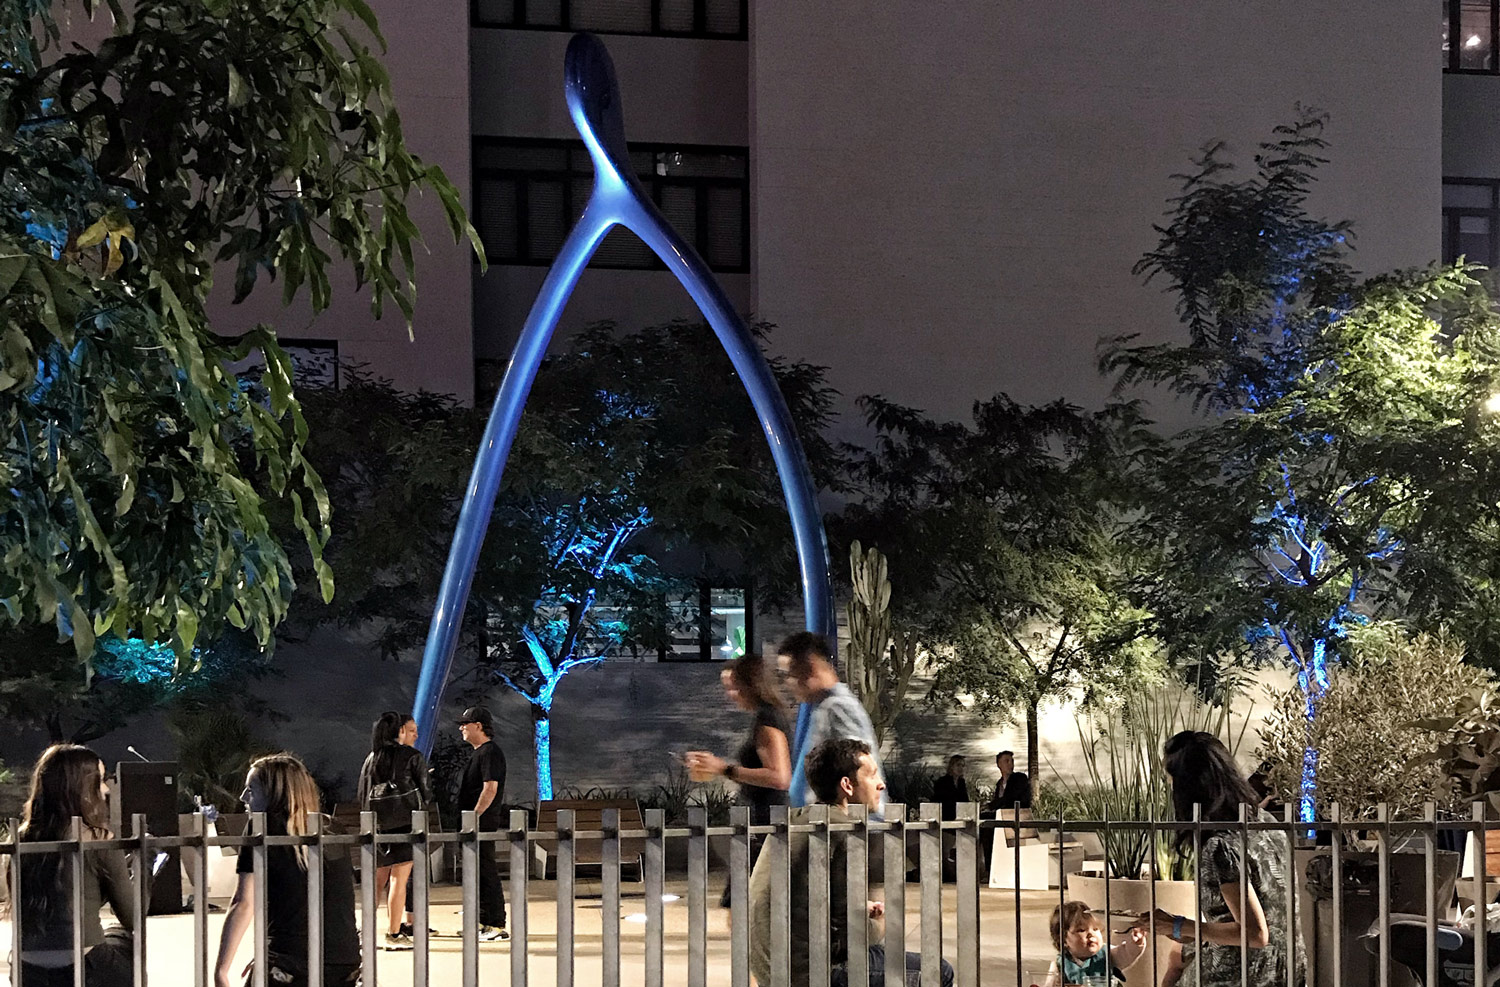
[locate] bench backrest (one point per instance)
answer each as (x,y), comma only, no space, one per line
(588,816)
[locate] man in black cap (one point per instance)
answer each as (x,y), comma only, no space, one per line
(480,789)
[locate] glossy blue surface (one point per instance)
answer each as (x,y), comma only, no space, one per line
(594,102)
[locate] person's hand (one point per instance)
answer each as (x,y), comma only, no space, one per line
(1138,935)
(705,763)
(877,909)
(1157,923)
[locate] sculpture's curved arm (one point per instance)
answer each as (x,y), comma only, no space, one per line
(617,197)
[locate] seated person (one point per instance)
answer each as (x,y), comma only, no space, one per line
(839,772)
(68,781)
(1082,956)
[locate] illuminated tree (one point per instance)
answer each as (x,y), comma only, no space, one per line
(136,468)
(1346,466)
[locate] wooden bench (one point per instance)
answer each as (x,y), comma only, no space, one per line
(588,816)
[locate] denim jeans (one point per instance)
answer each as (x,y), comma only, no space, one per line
(839,975)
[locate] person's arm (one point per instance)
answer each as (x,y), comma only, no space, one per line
(1257,932)
(1124,954)
(363,794)
(236,921)
(421,777)
(775,758)
(1054,977)
(486,797)
(114,886)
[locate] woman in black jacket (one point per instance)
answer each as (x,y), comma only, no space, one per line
(68,782)
(393,782)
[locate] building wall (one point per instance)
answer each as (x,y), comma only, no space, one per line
(427,58)
(947,206)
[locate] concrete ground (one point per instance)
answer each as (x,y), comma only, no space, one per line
(169,939)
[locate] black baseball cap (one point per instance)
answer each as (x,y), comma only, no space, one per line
(477,714)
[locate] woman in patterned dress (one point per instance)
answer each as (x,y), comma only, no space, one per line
(1204,773)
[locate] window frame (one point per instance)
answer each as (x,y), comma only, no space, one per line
(1454,16)
(1452,215)
(654,185)
(565,22)
(706,644)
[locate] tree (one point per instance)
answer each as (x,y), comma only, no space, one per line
(1346,467)
(1010,529)
(137,469)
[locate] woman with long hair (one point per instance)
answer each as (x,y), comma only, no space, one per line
(764,768)
(281,786)
(1203,773)
(393,782)
(68,782)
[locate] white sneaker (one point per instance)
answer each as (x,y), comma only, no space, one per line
(493,933)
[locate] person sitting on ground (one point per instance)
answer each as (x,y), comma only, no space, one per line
(281,786)
(68,781)
(1083,958)
(829,710)
(842,772)
(951,789)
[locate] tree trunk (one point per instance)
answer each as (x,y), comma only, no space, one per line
(541,733)
(1313,679)
(1032,746)
(55,728)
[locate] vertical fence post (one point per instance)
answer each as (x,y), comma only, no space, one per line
(76,866)
(895,894)
(857,890)
(1293,931)
(1383,876)
(609,877)
(1336,817)
(966,877)
(1481,899)
(199,832)
(13,865)
(930,864)
(697,897)
(368,865)
(1244,901)
(1015,894)
(260,871)
(819,949)
(421,898)
(739,898)
(1431,889)
(780,932)
(567,856)
(520,865)
(654,863)
(1197,895)
(1153,831)
(469,849)
(140,890)
(314,855)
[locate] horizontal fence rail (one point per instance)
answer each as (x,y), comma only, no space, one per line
(1371,900)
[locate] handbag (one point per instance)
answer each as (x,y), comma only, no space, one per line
(393,804)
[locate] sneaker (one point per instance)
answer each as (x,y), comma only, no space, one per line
(493,933)
(398,940)
(411,933)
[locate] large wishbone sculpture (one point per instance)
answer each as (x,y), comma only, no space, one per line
(594,103)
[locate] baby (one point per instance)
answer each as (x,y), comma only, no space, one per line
(1082,957)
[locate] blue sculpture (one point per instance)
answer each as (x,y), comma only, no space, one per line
(617,197)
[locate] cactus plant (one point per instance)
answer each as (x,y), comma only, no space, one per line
(881,658)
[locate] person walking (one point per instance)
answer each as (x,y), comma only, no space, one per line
(1203,773)
(829,710)
(393,784)
(67,782)
(281,786)
(480,788)
(764,768)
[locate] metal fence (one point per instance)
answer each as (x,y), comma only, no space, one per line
(990,925)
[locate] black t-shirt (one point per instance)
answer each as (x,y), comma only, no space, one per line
(487,763)
(286,901)
(757,798)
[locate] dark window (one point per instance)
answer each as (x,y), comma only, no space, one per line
(1471,36)
(1471,216)
(673,18)
(709,623)
(528,193)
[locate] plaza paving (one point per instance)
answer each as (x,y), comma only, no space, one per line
(171,952)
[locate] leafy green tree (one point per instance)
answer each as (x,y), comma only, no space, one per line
(1346,466)
(136,468)
(1009,529)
